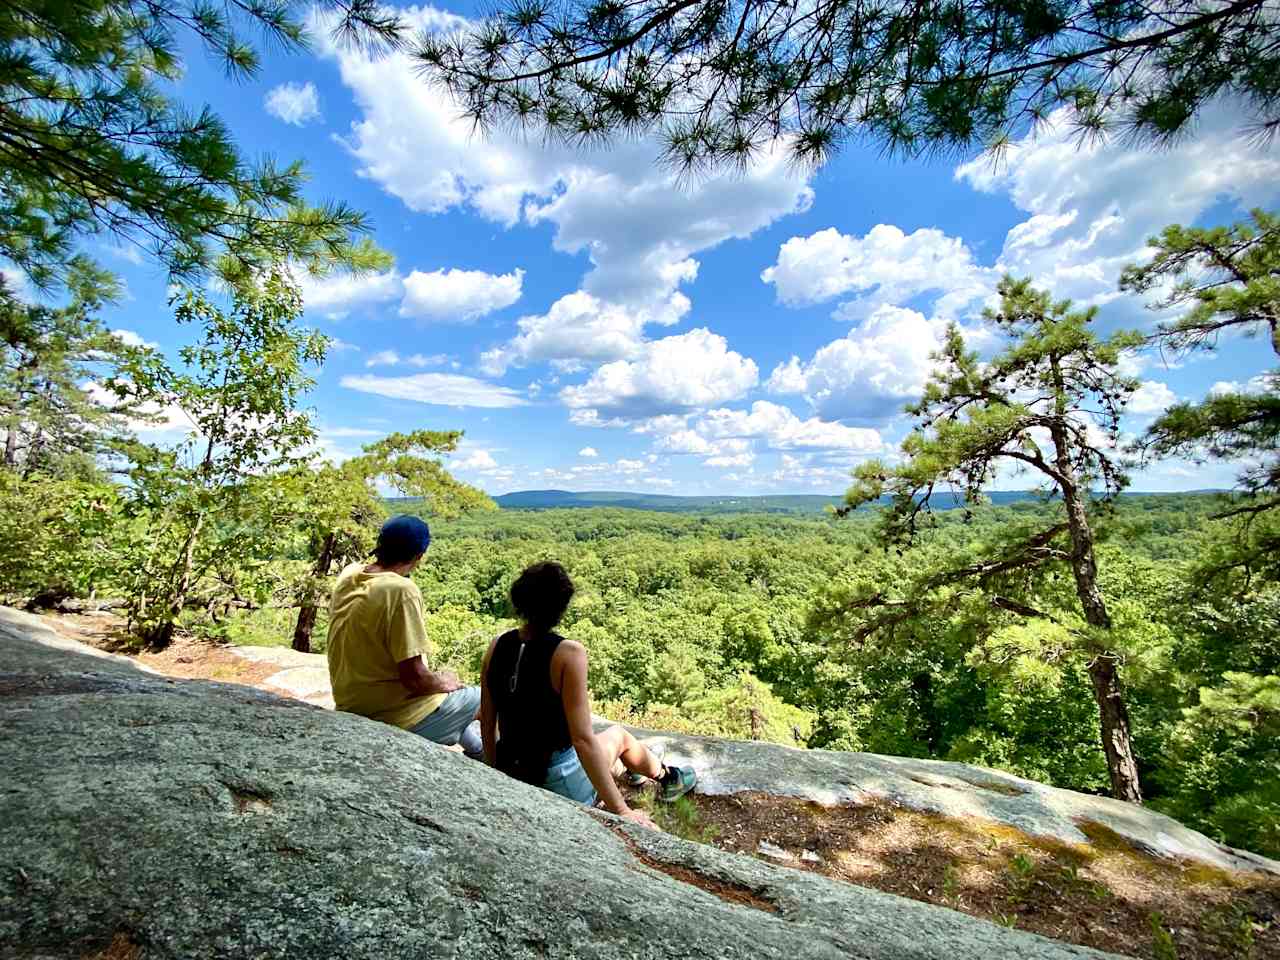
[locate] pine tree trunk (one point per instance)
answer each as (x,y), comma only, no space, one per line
(1113,716)
(302,629)
(11,447)
(309,608)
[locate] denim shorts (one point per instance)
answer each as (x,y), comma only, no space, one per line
(566,777)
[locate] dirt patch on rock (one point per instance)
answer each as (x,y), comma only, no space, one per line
(1106,895)
(186,658)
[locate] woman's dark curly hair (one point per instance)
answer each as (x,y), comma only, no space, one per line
(541,595)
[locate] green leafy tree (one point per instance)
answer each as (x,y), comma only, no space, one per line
(56,418)
(62,536)
(723,79)
(343,509)
(1225,281)
(1049,403)
(238,386)
(91,140)
(745,708)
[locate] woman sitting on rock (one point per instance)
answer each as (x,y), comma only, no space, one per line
(535,714)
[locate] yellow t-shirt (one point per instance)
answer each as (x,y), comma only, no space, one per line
(375,622)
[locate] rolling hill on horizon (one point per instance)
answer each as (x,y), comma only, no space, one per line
(769,503)
(557,499)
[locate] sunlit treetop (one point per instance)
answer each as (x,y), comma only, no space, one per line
(721,79)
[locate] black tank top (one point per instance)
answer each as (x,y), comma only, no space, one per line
(531,720)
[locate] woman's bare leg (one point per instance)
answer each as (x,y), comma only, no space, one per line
(622,748)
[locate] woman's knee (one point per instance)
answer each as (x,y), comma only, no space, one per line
(616,740)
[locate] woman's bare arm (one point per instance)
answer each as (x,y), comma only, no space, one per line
(488,712)
(577,711)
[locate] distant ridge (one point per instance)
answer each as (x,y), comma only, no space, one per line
(769,503)
(553,499)
(772,503)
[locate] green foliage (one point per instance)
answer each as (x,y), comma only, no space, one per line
(1163,946)
(262,626)
(1226,754)
(1021,871)
(92,142)
(724,81)
(950,883)
(238,386)
(61,536)
(744,709)
(1226,276)
(55,417)
(680,818)
(1051,403)
(1224,280)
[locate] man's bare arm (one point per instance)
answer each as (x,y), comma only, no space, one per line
(421,682)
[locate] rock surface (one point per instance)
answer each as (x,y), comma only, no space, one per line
(830,777)
(956,790)
(200,819)
(26,640)
(304,676)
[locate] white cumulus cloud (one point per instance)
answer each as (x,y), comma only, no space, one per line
(1152,397)
(452,295)
(458,296)
(478,460)
(588,452)
(339,293)
(132,339)
(637,225)
(580,327)
(869,374)
(389,358)
(671,375)
(886,266)
(781,429)
(1090,208)
(294,103)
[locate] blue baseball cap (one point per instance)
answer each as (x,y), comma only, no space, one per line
(405,536)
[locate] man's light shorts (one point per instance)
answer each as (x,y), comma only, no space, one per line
(454,722)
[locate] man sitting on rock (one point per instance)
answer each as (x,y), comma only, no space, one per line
(378,646)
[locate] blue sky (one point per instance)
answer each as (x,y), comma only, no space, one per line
(593,324)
